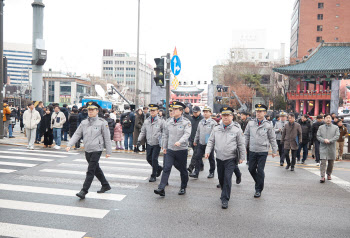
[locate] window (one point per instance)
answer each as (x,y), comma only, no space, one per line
(318,38)
(319,28)
(320,5)
(319,16)
(205,82)
(279,78)
(191,82)
(184,83)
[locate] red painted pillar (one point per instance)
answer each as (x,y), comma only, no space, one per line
(298,85)
(297,106)
(324,106)
(324,85)
(317,85)
(305,107)
(305,86)
(317,107)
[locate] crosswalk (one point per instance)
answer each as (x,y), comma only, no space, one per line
(51,189)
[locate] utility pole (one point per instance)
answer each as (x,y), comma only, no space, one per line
(167,81)
(138,59)
(2,67)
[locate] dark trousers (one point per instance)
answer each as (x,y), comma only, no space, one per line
(286,154)
(305,151)
(280,151)
(94,170)
(179,160)
(317,150)
(38,133)
(225,171)
(152,158)
(199,161)
(48,137)
(194,158)
(64,135)
(257,161)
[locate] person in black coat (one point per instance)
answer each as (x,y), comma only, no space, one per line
(306,137)
(127,119)
(45,128)
(111,124)
(82,115)
(73,125)
(65,128)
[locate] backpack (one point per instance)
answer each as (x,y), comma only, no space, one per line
(127,121)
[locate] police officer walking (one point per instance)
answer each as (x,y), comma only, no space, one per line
(175,145)
(226,139)
(259,134)
(152,129)
(279,126)
(96,135)
(204,130)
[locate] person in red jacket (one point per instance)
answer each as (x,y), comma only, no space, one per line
(6,117)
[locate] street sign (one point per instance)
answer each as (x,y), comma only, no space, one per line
(175,83)
(175,65)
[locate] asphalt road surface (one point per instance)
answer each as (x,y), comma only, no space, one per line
(37,199)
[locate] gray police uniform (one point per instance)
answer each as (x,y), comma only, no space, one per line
(176,130)
(226,141)
(152,129)
(280,125)
(97,136)
(204,130)
(259,135)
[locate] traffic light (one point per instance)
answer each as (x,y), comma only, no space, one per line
(159,79)
(219,88)
(5,71)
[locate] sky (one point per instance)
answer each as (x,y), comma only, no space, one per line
(77,31)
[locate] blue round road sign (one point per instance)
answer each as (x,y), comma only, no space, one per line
(175,65)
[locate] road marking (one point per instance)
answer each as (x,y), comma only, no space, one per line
(60,192)
(338,181)
(15,230)
(54,209)
(111,168)
(7,171)
(25,158)
(46,151)
(83,173)
(26,153)
(17,164)
(115,162)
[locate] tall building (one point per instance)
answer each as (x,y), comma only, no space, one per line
(19,66)
(316,21)
(121,67)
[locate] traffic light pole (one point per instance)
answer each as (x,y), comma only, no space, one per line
(167,80)
(2,68)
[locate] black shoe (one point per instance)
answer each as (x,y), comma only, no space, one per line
(104,189)
(36,142)
(160,192)
(298,160)
(182,191)
(302,162)
(257,194)
(12,137)
(152,179)
(224,204)
(211,175)
(218,186)
(193,175)
(292,169)
(189,169)
(159,172)
(313,156)
(288,166)
(239,179)
(81,194)
(281,164)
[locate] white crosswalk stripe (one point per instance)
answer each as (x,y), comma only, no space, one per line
(7,171)
(110,168)
(115,162)
(30,154)
(46,151)
(15,230)
(24,158)
(17,164)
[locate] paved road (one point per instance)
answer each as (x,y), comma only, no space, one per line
(37,199)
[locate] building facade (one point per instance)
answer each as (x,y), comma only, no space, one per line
(188,94)
(19,65)
(316,21)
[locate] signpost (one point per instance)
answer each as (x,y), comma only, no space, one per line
(175,68)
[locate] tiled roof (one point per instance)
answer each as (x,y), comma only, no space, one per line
(187,89)
(329,58)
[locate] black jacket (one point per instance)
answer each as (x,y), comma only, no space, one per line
(82,116)
(45,124)
(111,125)
(306,131)
(73,123)
(243,124)
(194,124)
(314,129)
(66,124)
(132,119)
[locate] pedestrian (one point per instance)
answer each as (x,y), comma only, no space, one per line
(291,138)
(39,107)
(111,124)
(226,139)
(152,129)
(244,122)
(6,117)
(113,114)
(31,119)
(175,145)
(65,128)
(12,123)
(205,127)
(96,137)
(195,119)
(118,135)
(340,142)
(57,121)
(73,119)
(306,137)
(83,114)
(279,126)
(146,114)
(127,120)
(45,127)
(139,120)
(161,115)
(319,122)
(327,135)
(259,134)
(187,113)
(21,124)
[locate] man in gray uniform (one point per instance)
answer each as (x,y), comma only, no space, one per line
(279,126)
(226,139)
(152,129)
(259,134)
(175,144)
(96,135)
(205,127)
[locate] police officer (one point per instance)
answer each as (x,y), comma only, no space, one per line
(259,134)
(175,144)
(205,126)
(96,135)
(279,126)
(152,129)
(226,139)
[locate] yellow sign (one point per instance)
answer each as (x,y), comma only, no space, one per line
(175,83)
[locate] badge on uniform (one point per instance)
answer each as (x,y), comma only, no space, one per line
(189,124)
(157,126)
(232,135)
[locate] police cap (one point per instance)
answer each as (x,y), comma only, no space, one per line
(153,106)
(260,107)
(92,105)
(227,110)
(177,104)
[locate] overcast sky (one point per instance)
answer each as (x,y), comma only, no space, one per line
(77,31)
